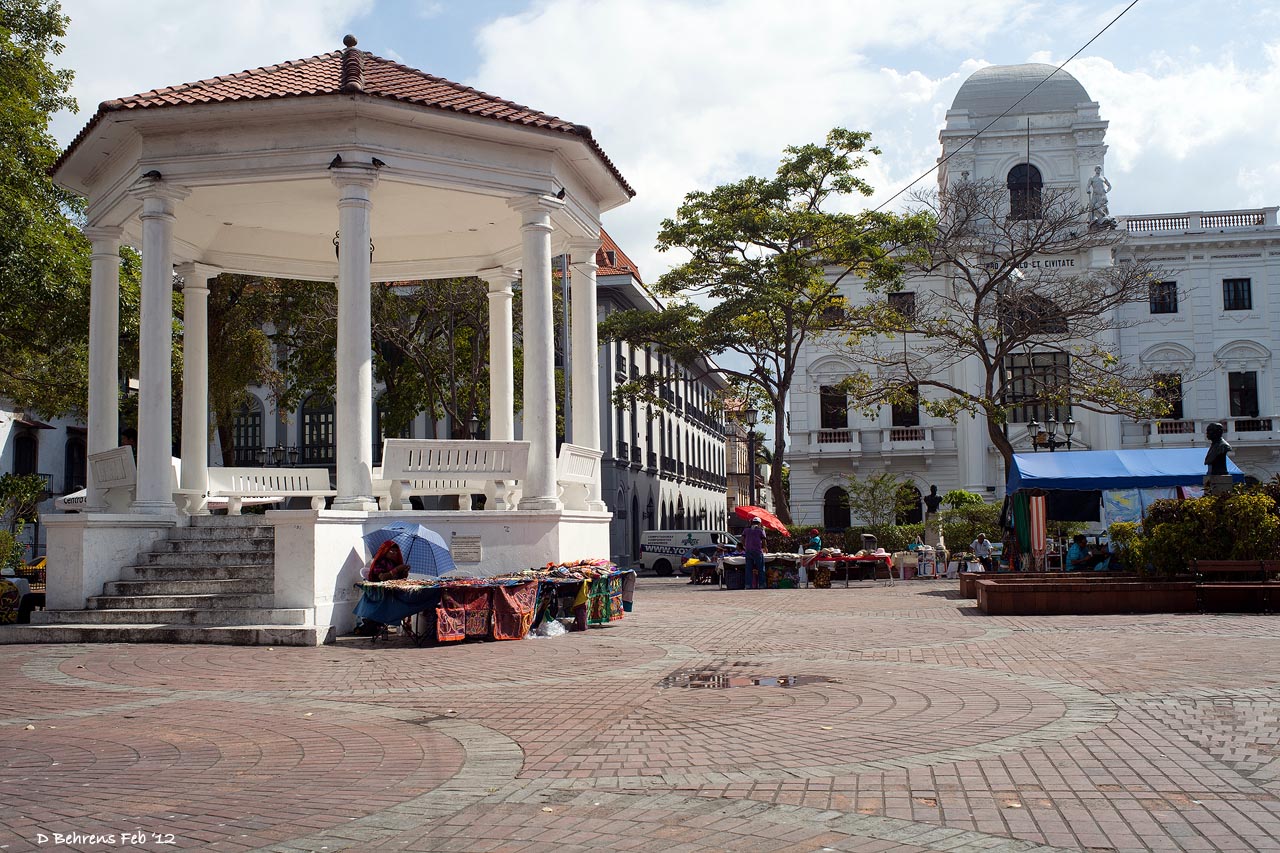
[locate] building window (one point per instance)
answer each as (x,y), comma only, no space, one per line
(1169,389)
(907,412)
(1242,392)
(904,303)
(835,509)
(74,457)
(1024,314)
(26,451)
(1163,296)
(317,430)
(1237,294)
(246,433)
(1024,192)
(835,408)
(1032,378)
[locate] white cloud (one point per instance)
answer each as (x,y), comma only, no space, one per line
(164,44)
(688,95)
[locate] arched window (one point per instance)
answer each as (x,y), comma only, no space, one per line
(1024,192)
(26,451)
(835,509)
(909,505)
(318,430)
(74,456)
(246,432)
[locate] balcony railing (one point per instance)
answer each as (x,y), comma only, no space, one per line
(636,454)
(906,439)
(834,436)
(623,453)
(1176,427)
(1183,432)
(653,461)
(913,433)
(1202,220)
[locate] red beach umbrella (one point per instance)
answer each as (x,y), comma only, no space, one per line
(767,518)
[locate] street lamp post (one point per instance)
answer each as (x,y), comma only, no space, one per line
(751,415)
(1050,434)
(473,426)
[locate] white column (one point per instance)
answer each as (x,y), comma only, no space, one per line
(154,495)
(195,380)
(104,349)
(354,415)
(539,415)
(502,390)
(586,355)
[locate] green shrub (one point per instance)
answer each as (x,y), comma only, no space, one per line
(1126,536)
(960,526)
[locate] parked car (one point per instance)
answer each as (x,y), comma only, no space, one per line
(663,551)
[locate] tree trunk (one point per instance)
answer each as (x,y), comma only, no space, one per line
(1000,441)
(781,500)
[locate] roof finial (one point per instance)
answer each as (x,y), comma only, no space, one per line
(352,79)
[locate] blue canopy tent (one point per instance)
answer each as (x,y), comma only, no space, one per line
(1111,469)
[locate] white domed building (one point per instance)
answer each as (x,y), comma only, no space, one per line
(1211,328)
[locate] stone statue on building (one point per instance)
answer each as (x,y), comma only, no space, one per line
(1099,211)
(1216,479)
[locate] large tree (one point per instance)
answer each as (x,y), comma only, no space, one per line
(44,259)
(1011,312)
(767,261)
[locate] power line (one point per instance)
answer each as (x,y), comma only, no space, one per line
(964,144)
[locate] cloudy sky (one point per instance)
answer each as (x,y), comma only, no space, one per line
(686,94)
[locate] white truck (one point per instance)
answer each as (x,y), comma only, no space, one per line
(663,551)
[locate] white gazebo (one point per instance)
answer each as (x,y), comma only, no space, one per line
(351,168)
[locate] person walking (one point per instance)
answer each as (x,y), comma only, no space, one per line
(753,550)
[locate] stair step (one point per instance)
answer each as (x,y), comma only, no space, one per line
(209,558)
(198,587)
(228,521)
(235,635)
(198,573)
(218,544)
(161,615)
(207,602)
(200,534)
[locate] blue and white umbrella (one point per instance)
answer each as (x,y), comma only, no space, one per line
(424,551)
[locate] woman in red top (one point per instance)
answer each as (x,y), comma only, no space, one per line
(387,563)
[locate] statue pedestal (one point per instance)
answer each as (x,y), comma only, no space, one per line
(933,531)
(1217,484)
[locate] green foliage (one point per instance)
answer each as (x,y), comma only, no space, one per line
(957,498)
(1243,525)
(1126,537)
(878,500)
(19,496)
(761,255)
(12,551)
(960,526)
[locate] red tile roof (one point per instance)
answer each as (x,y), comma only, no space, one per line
(621,263)
(348,71)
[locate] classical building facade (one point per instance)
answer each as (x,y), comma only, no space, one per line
(1211,327)
(663,468)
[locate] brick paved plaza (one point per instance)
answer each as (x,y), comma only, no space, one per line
(939,729)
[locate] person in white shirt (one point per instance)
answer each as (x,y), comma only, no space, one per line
(981,549)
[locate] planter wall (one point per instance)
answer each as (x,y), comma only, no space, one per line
(1077,596)
(969,580)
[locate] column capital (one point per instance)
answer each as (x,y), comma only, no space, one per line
(535,207)
(499,279)
(354,175)
(582,252)
(103,234)
(158,195)
(191,272)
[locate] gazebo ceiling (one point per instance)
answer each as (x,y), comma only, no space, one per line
(257,151)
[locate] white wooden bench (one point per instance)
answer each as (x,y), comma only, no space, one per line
(577,470)
(428,466)
(235,484)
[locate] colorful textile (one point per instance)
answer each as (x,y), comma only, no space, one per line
(821,576)
(598,602)
(513,609)
(463,612)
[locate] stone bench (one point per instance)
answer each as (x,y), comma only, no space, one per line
(1237,586)
(236,484)
(577,470)
(428,466)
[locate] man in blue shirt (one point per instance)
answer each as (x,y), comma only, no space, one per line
(753,550)
(1079,558)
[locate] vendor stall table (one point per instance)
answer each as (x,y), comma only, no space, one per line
(866,567)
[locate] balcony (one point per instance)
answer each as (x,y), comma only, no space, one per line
(636,455)
(835,441)
(653,461)
(912,439)
(623,453)
(1188,432)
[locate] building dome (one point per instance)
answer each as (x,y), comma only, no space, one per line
(992,90)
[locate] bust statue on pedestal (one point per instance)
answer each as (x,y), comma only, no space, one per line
(932,529)
(1216,479)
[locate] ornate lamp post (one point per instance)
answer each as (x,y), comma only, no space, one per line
(750,416)
(1049,436)
(473,426)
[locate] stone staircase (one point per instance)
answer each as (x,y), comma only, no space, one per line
(211,582)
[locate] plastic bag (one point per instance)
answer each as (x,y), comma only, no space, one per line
(549,628)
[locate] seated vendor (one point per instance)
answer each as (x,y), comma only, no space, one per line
(387,563)
(1080,558)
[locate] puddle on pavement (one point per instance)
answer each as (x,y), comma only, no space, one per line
(710,679)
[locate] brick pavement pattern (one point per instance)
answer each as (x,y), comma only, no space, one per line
(915,724)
